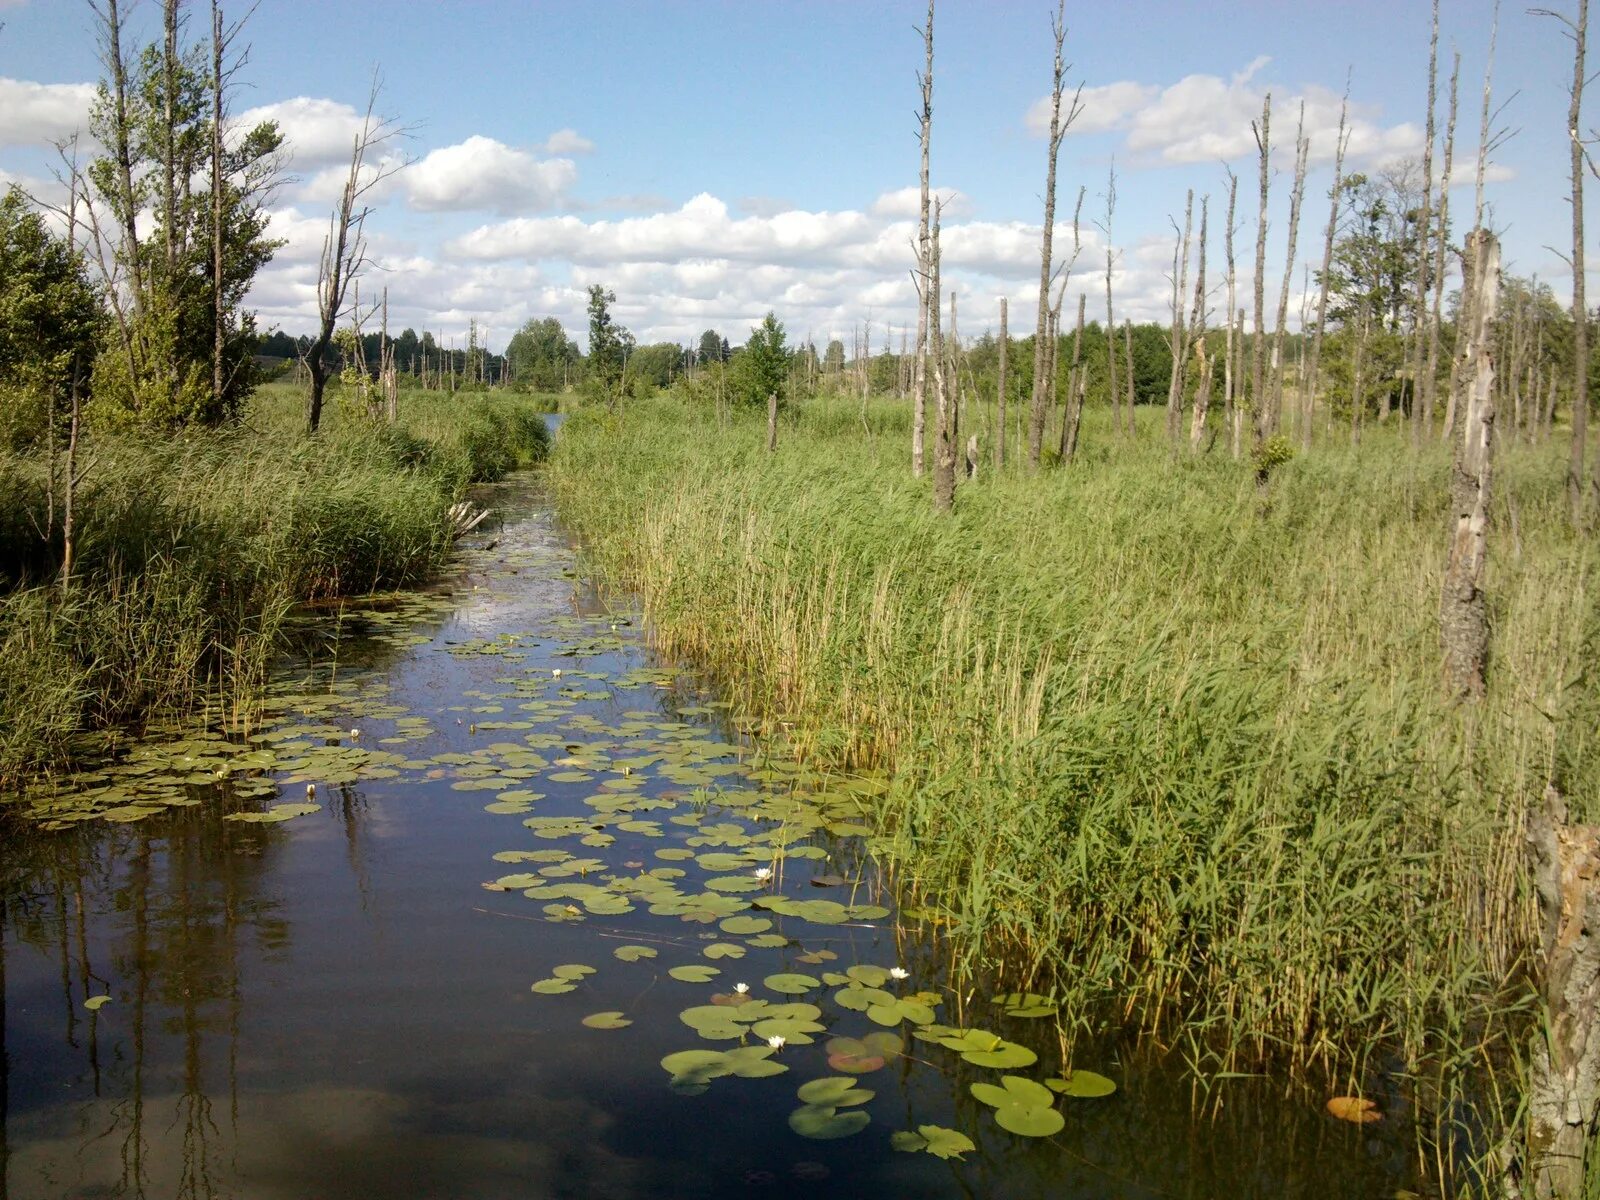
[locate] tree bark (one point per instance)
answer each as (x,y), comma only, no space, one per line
(944,450)
(1000,422)
(1564,1089)
(1258,348)
(1314,371)
(1425,230)
(1179,341)
(1463,625)
(772,422)
(218,174)
(1430,382)
(1302,149)
(1111,328)
(1197,326)
(1230,381)
(1041,400)
(919,392)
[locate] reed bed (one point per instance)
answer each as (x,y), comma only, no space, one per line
(192,550)
(1166,744)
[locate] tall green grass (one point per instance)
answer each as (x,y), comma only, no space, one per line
(191,550)
(1168,744)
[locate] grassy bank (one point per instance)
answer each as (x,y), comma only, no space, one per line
(191,550)
(1170,746)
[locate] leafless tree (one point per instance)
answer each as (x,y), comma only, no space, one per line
(1178,340)
(1230,378)
(1258,349)
(1302,151)
(1418,355)
(924,271)
(944,448)
(344,250)
(1111,328)
(1313,372)
(1059,125)
(1440,245)
(1197,335)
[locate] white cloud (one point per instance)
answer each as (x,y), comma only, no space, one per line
(32,113)
(906,202)
(319,132)
(567,141)
(1207,118)
(481,173)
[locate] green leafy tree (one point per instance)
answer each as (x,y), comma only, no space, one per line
(763,366)
(711,349)
(833,358)
(609,344)
(183,344)
(541,356)
(50,320)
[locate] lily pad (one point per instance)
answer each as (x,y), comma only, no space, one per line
(838,1091)
(694,973)
(633,953)
(606,1020)
(934,1139)
(1085,1085)
(1021,1106)
(825,1123)
(1026,1004)
(96,1003)
(791,984)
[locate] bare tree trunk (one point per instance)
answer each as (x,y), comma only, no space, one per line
(1041,402)
(1178,341)
(772,422)
(1565,1084)
(1358,390)
(1197,324)
(1229,380)
(1314,371)
(944,450)
(1111,328)
(1463,626)
(1424,232)
(1430,383)
(1000,421)
(919,394)
(1258,348)
(217,176)
(1127,348)
(1076,388)
(1302,150)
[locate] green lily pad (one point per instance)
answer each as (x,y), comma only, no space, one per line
(552,987)
(606,1020)
(694,973)
(96,1003)
(1021,1106)
(837,1091)
(934,1139)
(825,1123)
(1085,1085)
(633,953)
(745,925)
(571,971)
(791,984)
(723,950)
(900,1010)
(1026,1004)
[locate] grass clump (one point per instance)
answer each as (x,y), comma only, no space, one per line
(190,551)
(1163,742)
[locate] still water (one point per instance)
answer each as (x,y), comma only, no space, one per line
(456,969)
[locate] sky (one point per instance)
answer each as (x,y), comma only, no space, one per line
(711,161)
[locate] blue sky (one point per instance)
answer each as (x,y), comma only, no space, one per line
(710,161)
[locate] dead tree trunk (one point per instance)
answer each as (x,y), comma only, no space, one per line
(919,391)
(1430,382)
(1302,150)
(1000,422)
(1179,341)
(1041,400)
(1424,228)
(1314,371)
(1564,1091)
(1111,328)
(1076,379)
(1463,626)
(1197,326)
(1258,348)
(1229,381)
(772,422)
(944,448)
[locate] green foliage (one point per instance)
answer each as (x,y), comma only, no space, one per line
(156,371)
(762,368)
(542,356)
(712,348)
(1271,454)
(608,343)
(49,321)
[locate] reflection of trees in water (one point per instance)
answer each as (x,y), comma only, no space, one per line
(152,914)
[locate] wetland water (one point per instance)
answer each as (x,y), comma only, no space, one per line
(517,893)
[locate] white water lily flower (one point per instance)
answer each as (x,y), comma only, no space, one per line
(741,988)
(776,1041)
(311,791)
(899,973)
(555,672)
(355,733)
(763,873)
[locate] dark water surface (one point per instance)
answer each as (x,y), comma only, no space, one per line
(338,1006)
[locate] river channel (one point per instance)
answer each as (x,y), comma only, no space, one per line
(496,904)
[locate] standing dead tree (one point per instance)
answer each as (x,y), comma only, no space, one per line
(344,250)
(1059,124)
(944,443)
(1302,151)
(1463,624)
(1111,340)
(1230,378)
(924,271)
(1178,340)
(1314,371)
(1197,337)
(1441,242)
(1258,348)
(1577,28)
(1418,357)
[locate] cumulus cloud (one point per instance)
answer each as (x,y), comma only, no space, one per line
(32,113)
(481,173)
(319,132)
(907,202)
(567,141)
(1207,118)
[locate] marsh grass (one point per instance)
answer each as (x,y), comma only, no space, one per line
(1164,743)
(192,550)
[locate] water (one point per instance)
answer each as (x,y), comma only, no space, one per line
(338,1006)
